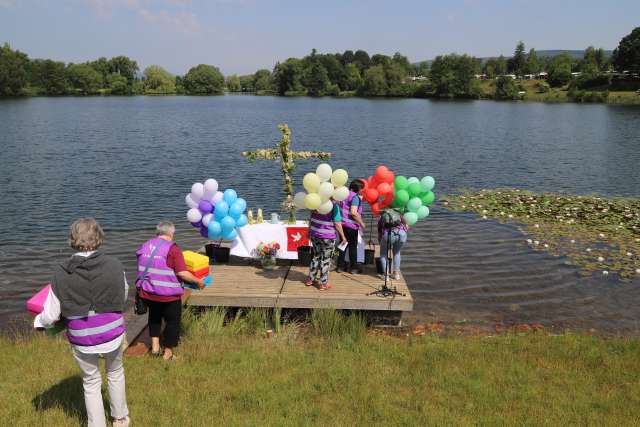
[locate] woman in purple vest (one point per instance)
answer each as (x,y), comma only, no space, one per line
(88,292)
(322,233)
(161,271)
(352,223)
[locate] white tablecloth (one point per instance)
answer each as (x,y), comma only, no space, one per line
(251,235)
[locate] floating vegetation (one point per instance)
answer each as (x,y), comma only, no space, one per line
(595,233)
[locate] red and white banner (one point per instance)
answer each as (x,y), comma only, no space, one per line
(297,236)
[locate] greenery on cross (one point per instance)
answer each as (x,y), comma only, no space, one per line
(283,153)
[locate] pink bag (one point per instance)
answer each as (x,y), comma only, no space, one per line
(35,304)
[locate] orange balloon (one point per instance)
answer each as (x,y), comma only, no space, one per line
(371,195)
(381,173)
(384,189)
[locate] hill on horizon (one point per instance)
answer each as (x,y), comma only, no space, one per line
(546,53)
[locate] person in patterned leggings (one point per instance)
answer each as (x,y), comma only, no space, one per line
(322,232)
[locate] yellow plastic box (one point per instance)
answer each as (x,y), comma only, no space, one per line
(195,261)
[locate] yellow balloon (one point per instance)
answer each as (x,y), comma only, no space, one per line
(312,201)
(325,191)
(311,182)
(324,172)
(326,207)
(339,177)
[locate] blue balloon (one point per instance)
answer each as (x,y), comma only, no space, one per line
(231,235)
(242,221)
(222,209)
(215,230)
(230,196)
(227,224)
(242,202)
(235,210)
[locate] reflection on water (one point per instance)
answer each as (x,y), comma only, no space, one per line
(129,162)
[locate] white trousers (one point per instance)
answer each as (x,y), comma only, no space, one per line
(92,383)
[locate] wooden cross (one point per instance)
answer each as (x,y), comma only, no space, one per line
(283,153)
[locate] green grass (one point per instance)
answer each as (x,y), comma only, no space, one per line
(230,376)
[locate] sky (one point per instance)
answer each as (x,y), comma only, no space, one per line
(242,36)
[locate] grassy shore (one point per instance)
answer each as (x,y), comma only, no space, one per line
(331,372)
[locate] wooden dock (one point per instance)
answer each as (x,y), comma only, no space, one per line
(251,286)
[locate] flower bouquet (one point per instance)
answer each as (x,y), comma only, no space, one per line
(268,253)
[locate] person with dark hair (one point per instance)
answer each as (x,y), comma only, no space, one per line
(352,223)
(161,272)
(88,292)
(324,229)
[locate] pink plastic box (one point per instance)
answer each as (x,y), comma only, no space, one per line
(35,305)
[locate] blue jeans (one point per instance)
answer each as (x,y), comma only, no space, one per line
(397,238)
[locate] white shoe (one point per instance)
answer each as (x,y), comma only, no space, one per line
(396,275)
(382,276)
(122,422)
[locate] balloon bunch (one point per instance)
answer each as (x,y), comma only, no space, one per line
(378,189)
(214,213)
(413,196)
(322,186)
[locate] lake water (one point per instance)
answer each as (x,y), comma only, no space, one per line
(130,161)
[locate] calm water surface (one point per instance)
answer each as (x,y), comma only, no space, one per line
(130,161)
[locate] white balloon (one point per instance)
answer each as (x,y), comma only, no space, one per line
(194,215)
(206,218)
(190,202)
(341,193)
(298,200)
(326,207)
(325,191)
(211,186)
(197,191)
(217,197)
(324,171)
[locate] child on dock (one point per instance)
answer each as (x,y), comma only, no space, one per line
(322,233)
(392,234)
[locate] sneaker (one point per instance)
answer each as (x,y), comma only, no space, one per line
(382,276)
(309,282)
(324,287)
(122,422)
(396,275)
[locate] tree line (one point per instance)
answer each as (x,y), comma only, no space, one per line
(336,74)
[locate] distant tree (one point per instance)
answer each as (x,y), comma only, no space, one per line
(287,76)
(233,83)
(626,57)
(589,63)
(505,89)
(519,60)
(84,79)
(316,80)
(13,71)
(560,70)
(347,57)
(362,60)
(403,62)
(102,66)
(117,84)
(421,69)
(157,80)
(335,69)
(452,75)
(124,66)
(204,80)
(501,66)
(532,65)
(246,82)
(602,60)
(375,81)
(262,80)
(395,75)
(379,59)
(47,77)
(353,79)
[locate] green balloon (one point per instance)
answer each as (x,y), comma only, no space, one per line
(411,218)
(414,204)
(400,183)
(402,197)
(427,183)
(414,189)
(423,212)
(427,198)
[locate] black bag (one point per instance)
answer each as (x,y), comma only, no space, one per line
(391,218)
(140,306)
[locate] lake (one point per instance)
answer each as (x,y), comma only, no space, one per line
(129,161)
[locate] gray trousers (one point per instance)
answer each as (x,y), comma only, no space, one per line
(92,383)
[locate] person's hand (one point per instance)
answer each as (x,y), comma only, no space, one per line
(363,226)
(200,284)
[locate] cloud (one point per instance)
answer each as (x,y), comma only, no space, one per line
(175,14)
